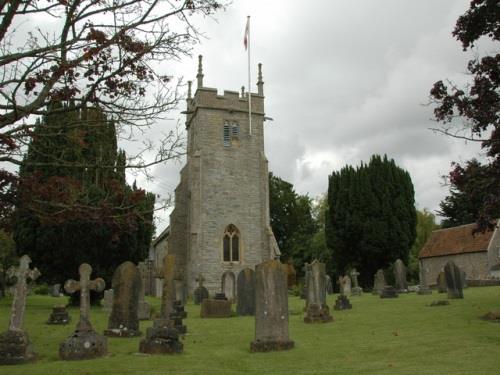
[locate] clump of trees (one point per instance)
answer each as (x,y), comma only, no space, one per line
(475,187)
(371,218)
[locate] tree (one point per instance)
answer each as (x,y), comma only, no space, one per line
(426,224)
(292,221)
(78,212)
(478,106)
(7,257)
(92,53)
(371,217)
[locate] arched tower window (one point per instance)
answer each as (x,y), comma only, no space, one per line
(231,244)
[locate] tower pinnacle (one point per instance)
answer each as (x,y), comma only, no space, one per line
(199,76)
(260,83)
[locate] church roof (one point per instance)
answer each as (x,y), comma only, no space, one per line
(456,240)
(163,235)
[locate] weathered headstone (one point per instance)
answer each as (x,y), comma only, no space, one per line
(15,346)
(378,282)
(55,290)
(143,309)
(328,284)
(317,311)
(163,338)
(342,302)
(271,308)
(389,292)
(291,275)
(356,289)
(59,315)
(246,292)
(229,285)
(423,288)
(107,301)
(126,283)
(400,276)
(84,343)
(441,282)
(200,293)
(453,280)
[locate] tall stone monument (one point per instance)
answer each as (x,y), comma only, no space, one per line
(246,292)
(123,321)
(356,289)
(15,346)
(317,311)
(84,343)
(453,280)
(271,308)
(163,338)
(400,276)
(143,310)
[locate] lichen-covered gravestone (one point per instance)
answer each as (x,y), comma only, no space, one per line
(400,276)
(123,321)
(317,311)
(15,346)
(246,292)
(378,282)
(453,280)
(84,343)
(200,293)
(163,338)
(271,308)
(143,309)
(356,289)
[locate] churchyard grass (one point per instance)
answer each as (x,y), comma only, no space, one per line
(391,336)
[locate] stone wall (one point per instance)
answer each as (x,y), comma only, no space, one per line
(494,251)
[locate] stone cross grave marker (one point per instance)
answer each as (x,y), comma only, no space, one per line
(22,274)
(200,292)
(85,285)
(356,289)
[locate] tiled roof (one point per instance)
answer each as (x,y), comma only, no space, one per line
(456,240)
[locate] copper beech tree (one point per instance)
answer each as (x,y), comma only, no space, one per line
(91,53)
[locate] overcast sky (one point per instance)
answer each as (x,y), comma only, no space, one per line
(343,80)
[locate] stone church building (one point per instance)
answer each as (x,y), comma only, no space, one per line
(220,223)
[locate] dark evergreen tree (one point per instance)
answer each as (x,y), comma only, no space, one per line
(371,217)
(74,204)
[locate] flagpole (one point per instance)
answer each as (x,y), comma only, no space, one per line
(249,80)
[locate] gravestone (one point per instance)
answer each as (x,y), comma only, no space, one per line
(423,288)
(453,280)
(317,311)
(200,293)
(389,292)
(126,283)
(59,315)
(291,275)
(271,308)
(163,338)
(177,316)
(356,289)
(303,292)
(378,282)
(400,276)
(441,282)
(217,307)
(107,301)
(55,290)
(329,286)
(15,346)
(229,285)
(84,343)
(463,277)
(246,292)
(342,302)
(143,309)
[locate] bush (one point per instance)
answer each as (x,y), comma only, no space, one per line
(41,289)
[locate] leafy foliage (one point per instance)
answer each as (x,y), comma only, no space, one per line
(74,205)
(371,217)
(475,191)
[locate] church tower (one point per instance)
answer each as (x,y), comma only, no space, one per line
(220,223)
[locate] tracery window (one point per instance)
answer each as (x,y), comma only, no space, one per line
(231,244)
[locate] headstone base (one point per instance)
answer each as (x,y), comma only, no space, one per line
(161,340)
(59,315)
(342,303)
(389,292)
(455,294)
(317,314)
(356,291)
(83,345)
(15,348)
(215,308)
(270,346)
(144,311)
(121,332)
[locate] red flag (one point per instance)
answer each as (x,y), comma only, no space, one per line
(247,34)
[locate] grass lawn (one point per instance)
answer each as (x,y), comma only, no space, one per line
(390,336)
